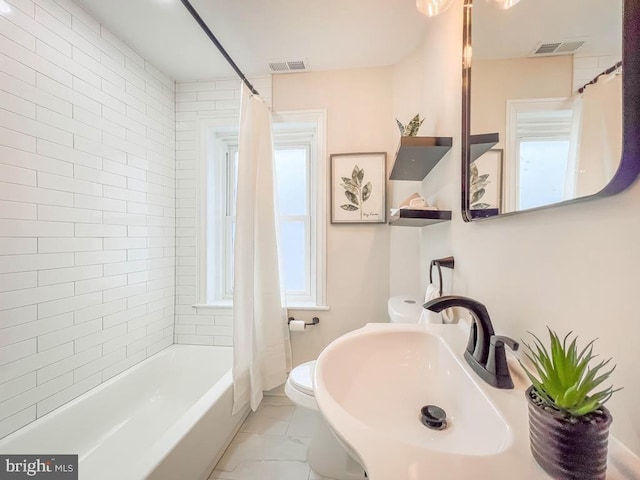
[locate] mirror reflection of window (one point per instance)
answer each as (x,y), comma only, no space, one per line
(538,52)
(540,166)
(542,170)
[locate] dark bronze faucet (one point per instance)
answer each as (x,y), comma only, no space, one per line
(485,350)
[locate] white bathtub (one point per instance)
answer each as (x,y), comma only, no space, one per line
(167,418)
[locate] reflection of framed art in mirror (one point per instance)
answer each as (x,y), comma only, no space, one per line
(486,181)
(478,119)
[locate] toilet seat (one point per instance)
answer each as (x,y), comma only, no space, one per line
(302,377)
(299,386)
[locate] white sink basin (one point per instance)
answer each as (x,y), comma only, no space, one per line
(371,384)
(383,379)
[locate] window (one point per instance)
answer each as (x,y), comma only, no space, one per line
(542,162)
(299,163)
(539,152)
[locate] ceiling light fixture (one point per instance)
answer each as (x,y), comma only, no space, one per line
(431,8)
(502,4)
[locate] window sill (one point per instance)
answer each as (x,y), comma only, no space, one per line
(307,306)
(214,305)
(293,306)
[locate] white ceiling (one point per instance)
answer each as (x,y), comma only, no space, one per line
(335,34)
(329,34)
(516,32)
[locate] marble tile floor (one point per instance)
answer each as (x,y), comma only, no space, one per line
(271,445)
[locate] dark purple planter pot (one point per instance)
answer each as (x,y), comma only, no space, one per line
(569,451)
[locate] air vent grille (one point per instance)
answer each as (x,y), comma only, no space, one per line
(569,47)
(297,65)
(556,48)
(278,66)
(547,48)
(288,66)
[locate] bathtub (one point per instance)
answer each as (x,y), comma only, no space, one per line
(167,418)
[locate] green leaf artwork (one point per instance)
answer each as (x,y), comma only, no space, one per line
(477,190)
(354,191)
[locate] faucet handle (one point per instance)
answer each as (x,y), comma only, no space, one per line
(497,361)
(497,340)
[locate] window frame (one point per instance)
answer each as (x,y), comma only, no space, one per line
(216,135)
(296,140)
(513,140)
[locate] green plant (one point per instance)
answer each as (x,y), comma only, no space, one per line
(411,128)
(566,381)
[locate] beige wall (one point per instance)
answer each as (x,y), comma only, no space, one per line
(493,82)
(359,119)
(575,267)
(407,95)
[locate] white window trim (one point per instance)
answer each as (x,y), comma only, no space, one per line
(290,122)
(512,154)
(294,120)
(220,126)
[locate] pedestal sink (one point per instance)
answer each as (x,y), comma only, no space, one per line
(371,384)
(383,378)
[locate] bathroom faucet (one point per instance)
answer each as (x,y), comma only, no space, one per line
(485,350)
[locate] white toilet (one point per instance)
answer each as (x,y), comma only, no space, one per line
(326,456)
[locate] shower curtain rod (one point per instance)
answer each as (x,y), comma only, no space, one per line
(218,45)
(606,72)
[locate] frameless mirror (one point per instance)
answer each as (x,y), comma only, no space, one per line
(538,129)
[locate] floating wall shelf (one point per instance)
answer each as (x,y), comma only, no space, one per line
(416,156)
(419,218)
(481,144)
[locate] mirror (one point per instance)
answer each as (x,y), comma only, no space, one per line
(533,137)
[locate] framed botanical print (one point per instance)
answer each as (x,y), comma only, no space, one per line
(358,187)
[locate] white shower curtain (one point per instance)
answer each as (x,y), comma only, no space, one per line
(261,345)
(600,146)
(571,173)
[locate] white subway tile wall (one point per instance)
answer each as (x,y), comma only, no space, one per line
(586,68)
(195,101)
(87,208)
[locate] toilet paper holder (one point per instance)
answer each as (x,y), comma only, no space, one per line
(314,321)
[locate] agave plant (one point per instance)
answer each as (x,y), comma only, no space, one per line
(565,379)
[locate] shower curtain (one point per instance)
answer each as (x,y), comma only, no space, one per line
(600,146)
(261,345)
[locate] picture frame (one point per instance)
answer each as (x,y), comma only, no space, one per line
(490,164)
(358,187)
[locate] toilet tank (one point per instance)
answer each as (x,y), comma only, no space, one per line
(404,309)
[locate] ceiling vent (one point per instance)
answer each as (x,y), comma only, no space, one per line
(544,49)
(288,66)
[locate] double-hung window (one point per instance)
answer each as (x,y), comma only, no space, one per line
(540,152)
(299,159)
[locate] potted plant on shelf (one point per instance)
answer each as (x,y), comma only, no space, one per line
(568,424)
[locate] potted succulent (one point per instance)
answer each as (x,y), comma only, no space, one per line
(568,424)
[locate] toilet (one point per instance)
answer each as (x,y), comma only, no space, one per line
(326,456)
